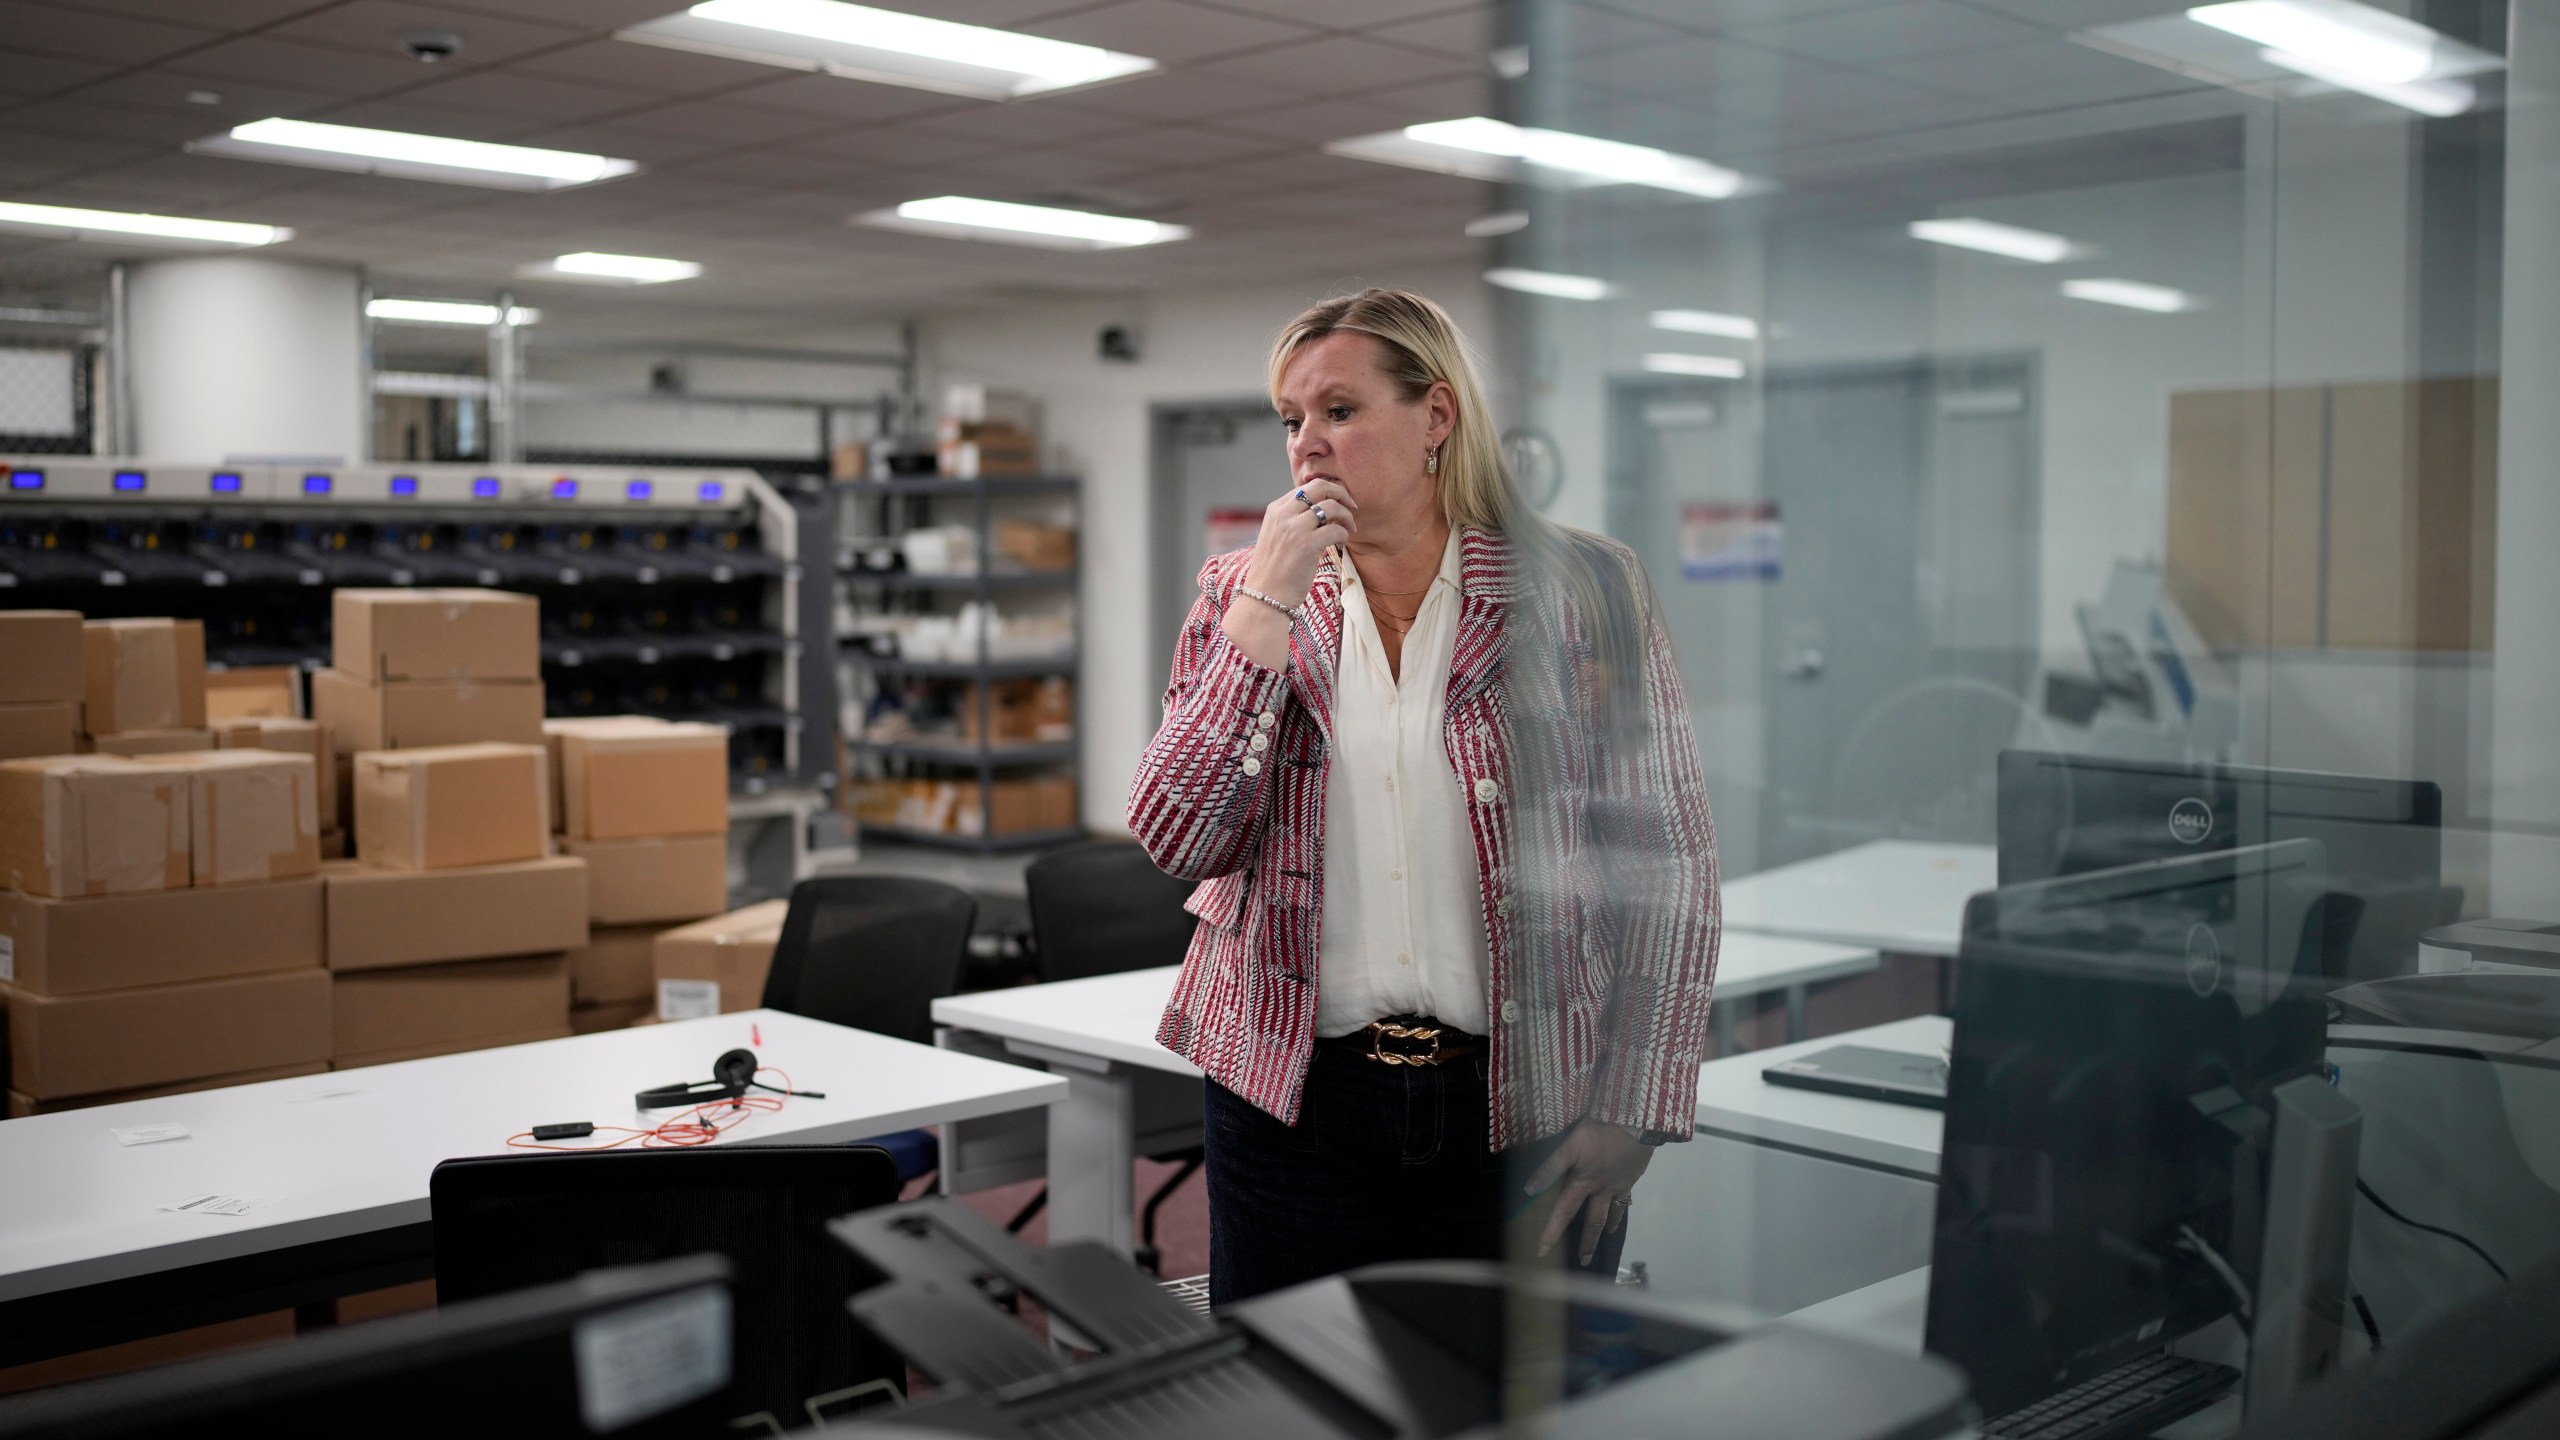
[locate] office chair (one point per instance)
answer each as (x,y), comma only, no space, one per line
(874,952)
(1101,908)
(505,1222)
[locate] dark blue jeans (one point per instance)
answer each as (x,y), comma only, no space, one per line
(1386,1162)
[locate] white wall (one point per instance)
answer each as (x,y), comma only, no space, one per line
(1199,345)
(553,420)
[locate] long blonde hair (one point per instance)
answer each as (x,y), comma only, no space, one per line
(1601,579)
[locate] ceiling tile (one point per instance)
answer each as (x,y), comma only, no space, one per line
(55,76)
(1174,146)
(1030,175)
(1020,124)
(375,27)
(2048,73)
(88,35)
(339,74)
(1466,32)
(726,121)
(2077,14)
(1337,65)
(513,96)
(903,148)
(1311,124)
(1879,38)
(831,97)
(589,15)
(1438,100)
(650,147)
(231,16)
(1585,28)
(164,129)
(1338,14)
(1169,30)
(1721,14)
(236,102)
(1177,95)
(648,69)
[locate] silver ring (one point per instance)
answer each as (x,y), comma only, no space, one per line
(1622,1202)
(1319,514)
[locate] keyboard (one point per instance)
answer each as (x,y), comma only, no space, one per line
(2133,1399)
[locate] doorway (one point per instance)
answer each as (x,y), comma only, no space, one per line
(1217,464)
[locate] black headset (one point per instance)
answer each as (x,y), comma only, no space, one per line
(732,1075)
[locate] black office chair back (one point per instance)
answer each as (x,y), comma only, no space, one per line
(504,1222)
(1102,907)
(871,951)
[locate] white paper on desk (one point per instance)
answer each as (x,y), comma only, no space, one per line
(149,1134)
(217,1204)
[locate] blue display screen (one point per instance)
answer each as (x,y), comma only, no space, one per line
(637,490)
(26,479)
(131,480)
(316,484)
(404,484)
(485,488)
(564,489)
(226,483)
(711,491)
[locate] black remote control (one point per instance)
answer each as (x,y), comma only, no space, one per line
(572,1130)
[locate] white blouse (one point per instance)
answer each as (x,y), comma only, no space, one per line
(1403,917)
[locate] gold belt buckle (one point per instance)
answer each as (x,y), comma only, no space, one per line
(1381,1030)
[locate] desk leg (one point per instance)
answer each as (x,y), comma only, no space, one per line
(1795,1013)
(1091,1150)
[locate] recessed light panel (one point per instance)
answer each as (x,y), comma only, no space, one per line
(967,218)
(859,42)
(411,157)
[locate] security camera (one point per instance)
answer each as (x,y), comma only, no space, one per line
(1117,342)
(429,46)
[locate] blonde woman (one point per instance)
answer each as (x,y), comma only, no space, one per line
(1429,754)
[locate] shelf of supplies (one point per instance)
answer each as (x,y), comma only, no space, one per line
(995,580)
(938,485)
(965,669)
(962,753)
(953,840)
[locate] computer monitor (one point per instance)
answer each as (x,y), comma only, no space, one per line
(2069,814)
(2117,1039)
(641,1351)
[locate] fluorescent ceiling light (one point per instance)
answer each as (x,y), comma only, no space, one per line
(969,219)
(1550,284)
(594,265)
(1707,322)
(2131,294)
(1500,222)
(411,157)
(447,312)
(90,224)
(2347,38)
(1486,149)
(2437,98)
(859,42)
(1717,367)
(1994,238)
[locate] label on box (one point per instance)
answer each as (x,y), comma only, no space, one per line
(149,1134)
(688,999)
(645,1360)
(217,1204)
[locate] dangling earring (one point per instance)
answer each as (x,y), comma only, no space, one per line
(1431,462)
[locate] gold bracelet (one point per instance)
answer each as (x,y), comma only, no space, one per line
(1252,594)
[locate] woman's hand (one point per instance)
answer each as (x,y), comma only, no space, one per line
(1599,1165)
(1296,528)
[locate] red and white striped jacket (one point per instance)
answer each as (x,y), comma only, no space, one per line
(1601,927)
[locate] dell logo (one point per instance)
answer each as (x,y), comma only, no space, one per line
(2190,821)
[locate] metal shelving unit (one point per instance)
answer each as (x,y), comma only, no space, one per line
(894,506)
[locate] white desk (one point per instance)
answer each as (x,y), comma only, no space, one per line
(1128,1096)
(1905,897)
(346,1157)
(1786,1197)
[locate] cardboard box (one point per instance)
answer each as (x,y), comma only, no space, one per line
(121,1039)
(143,675)
(552,730)
(21,1106)
(638,781)
(1035,546)
(614,966)
(252,814)
(335,845)
(633,882)
(40,657)
(620,1015)
(451,805)
(93,825)
(164,937)
(450,1047)
(292,737)
(153,742)
(410,716)
(1041,803)
(39,727)
(717,966)
(253,692)
(415,917)
(414,1009)
(388,636)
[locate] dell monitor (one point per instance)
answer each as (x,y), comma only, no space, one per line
(2118,1039)
(2069,814)
(637,1352)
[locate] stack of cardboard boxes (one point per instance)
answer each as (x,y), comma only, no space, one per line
(646,804)
(450,930)
(162,926)
(42,680)
(717,966)
(145,686)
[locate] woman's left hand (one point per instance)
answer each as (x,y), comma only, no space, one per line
(1599,1166)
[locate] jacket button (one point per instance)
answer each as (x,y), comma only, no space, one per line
(1252,766)
(1510,1011)
(1266,720)
(1487,792)
(1261,743)
(1502,905)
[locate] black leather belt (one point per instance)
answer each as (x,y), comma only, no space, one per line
(1408,1040)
